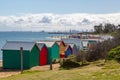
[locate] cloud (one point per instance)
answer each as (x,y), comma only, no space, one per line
(56,22)
(45,20)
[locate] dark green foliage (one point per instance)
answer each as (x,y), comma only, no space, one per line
(107,28)
(69,63)
(98,29)
(114,54)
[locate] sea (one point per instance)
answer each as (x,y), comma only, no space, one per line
(24,36)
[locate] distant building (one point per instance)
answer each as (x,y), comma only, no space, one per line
(89,43)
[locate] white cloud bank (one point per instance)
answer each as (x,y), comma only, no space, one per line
(56,22)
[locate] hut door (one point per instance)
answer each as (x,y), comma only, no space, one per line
(43,57)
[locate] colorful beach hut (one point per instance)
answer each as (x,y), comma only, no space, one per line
(75,41)
(74,48)
(68,51)
(61,48)
(43,54)
(11,54)
(53,50)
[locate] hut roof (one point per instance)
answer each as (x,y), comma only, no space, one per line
(40,45)
(47,43)
(15,45)
(59,42)
(67,46)
(72,45)
(77,42)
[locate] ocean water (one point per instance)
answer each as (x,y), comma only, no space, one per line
(23,36)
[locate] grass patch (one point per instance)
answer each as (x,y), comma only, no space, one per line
(30,72)
(89,72)
(111,64)
(98,73)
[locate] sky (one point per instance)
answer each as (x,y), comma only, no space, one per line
(14,7)
(54,15)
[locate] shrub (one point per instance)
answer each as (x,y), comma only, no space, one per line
(69,63)
(114,54)
(78,56)
(101,49)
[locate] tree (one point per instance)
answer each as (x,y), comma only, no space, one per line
(118,28)
(98,29)
(109,28)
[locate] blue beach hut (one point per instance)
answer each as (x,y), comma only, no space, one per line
(68,51)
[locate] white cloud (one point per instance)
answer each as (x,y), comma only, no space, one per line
(56,22)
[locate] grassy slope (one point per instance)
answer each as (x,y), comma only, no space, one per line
(94,71)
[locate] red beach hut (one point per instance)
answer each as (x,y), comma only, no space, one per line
(43,54)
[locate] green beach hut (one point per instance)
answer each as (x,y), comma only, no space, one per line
(53,50)
(11,54)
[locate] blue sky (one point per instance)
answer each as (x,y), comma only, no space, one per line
(14,7)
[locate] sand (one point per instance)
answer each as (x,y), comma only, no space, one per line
(7,72)
(10,72)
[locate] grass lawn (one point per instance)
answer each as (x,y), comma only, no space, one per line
(94,71)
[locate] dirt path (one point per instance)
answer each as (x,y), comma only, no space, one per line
(10,72)
(46,67)
(7,72)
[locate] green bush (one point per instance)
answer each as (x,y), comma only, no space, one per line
(114,54)
(69,63)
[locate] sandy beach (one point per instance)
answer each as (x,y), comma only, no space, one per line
(7,72)
(10,72)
